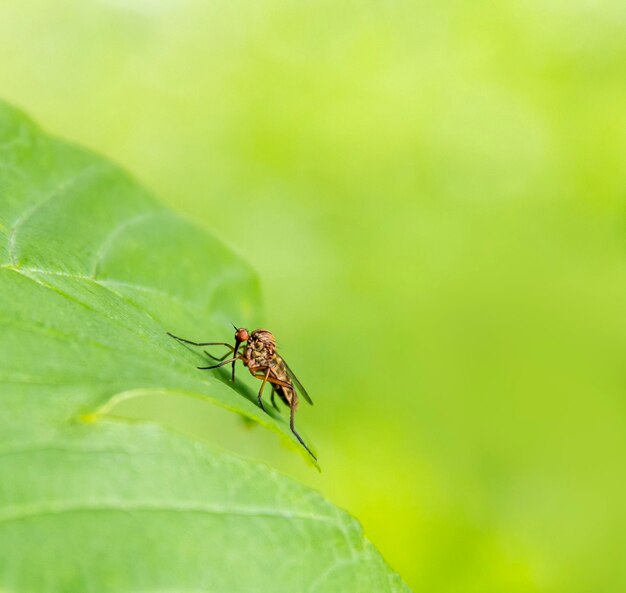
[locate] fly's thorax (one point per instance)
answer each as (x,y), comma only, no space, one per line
(261,347)
(263,339)
(260,352)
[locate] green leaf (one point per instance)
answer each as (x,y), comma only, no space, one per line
(93,271)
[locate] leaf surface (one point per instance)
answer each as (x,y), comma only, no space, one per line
(93,272)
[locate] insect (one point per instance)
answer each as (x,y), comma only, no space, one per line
(259,354)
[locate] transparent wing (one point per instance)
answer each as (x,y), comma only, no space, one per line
(296,381)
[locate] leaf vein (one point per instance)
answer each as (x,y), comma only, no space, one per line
(29,212)
(115,232)
(36,510)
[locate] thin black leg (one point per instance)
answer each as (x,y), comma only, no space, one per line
(267,374)
(198,343)
(293,428)
(215,357)
(274,400)
(217,366)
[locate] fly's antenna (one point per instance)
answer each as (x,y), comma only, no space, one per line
(236,328)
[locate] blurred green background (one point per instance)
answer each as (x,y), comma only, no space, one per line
(433,196)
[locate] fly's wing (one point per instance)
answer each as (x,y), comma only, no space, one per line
(297,383)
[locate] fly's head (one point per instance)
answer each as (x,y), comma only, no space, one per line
(241,335)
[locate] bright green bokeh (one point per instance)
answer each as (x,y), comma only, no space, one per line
(433,195)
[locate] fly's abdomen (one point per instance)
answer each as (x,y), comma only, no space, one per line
(278,370)
(287,394)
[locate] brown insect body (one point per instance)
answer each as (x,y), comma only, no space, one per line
(258,353)
(260,356)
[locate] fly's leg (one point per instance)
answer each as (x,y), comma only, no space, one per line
(274,400)
(221,357)
(266,379)
(221,364)
(293,405)
(199,343)
(275,381)
(267,374)
(183,340)
(236,355)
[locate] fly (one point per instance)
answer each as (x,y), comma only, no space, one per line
(259,354)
